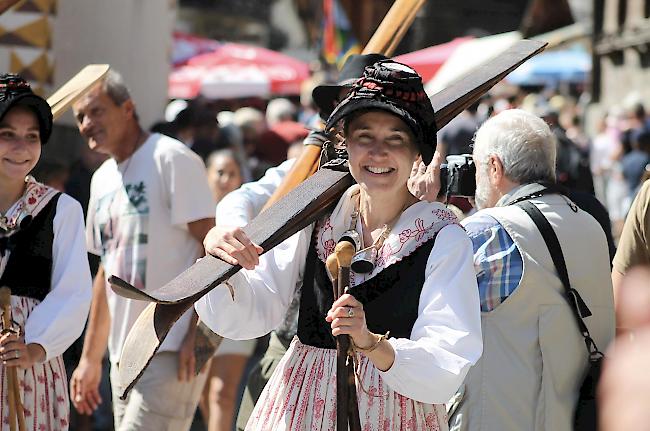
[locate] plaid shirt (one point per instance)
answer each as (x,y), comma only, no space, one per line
(497,260)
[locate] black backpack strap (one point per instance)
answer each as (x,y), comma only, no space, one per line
(577,305)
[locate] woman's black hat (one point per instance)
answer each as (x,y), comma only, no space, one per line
(396,88)
(326,95)
(14,91)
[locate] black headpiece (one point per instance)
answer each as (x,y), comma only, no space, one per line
(14,91)
(394,87)
(325,95)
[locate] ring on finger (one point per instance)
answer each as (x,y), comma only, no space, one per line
(350,312)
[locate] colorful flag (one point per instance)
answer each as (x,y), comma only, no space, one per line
(338,39)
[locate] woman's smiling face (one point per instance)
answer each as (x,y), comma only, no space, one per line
(20,143)
(381,151)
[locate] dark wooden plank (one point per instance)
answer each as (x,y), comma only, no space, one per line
(144,339)
(155,322)
(464,91)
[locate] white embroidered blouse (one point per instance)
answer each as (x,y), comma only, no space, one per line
(446,337)
(57,321)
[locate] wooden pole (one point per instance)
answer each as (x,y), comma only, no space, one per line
(344,405)
(341,372)
(389,33)
(5,303)
(303,168)
(20,411)
(403,27)
(16,411)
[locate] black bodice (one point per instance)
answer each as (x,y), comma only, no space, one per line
(29,268)
(390,299)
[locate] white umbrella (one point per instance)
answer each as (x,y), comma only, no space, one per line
(469,55)
(226,82)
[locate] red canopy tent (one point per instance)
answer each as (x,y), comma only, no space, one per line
(427,61)
(187,46)
(234,70)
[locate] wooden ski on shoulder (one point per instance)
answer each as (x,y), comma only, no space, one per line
(295,211)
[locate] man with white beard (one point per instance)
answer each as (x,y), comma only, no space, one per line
(534,356)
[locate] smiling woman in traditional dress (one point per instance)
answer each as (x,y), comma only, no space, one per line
(43,261)
(419,282)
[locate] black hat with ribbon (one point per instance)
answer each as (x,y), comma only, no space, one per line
(325,96)
(396,88)
(14,91)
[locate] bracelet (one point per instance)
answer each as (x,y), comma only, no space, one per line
(380,338)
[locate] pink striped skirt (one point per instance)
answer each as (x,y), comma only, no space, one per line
(43,388)
(301,395)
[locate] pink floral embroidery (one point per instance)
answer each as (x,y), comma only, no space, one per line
(431,420)
(445,214)
(43,387)
(411,424)
(417,233)
(36,196)
(319,406)
(396,247)
(309,401)
(327,243)
(286,375)
(329,247)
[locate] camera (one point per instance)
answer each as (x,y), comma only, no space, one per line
(458,176)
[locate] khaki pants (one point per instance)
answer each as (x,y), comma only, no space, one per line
(258,377)
(159,401)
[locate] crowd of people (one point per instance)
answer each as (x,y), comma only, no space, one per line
(460,319)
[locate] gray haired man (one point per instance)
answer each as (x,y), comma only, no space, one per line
(534,356)
(149,210)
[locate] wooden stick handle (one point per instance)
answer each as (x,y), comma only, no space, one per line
(20,411)
(403,27)
(11,396)
(18,402)
(346,398)
(302,169)
(342,346)
(400,15)
(354,420)
(12,379)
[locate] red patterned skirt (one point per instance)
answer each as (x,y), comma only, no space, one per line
(301,395)
(43,388)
